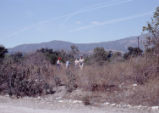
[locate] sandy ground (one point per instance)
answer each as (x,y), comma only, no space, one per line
(51,104)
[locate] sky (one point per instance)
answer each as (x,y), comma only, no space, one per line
(78,21)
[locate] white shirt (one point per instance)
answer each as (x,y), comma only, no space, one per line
(58,61)
(81,61)
(76,62)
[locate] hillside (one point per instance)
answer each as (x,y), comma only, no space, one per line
(118,45)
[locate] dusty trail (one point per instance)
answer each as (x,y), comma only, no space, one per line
(48,105)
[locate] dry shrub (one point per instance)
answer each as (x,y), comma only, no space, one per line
(147,94)
(29,77)
(103,78)
(144,69)
(34,75)
(107,78)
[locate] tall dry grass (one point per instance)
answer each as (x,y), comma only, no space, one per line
(115,81)
(34,75)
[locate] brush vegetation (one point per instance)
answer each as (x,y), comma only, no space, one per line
(132,77)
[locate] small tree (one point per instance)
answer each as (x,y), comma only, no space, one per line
(51,55)
(153,39)
(17,56)
(153,29)
(100,54)
(3,51)
(133,52)
(66,56)
(74,50)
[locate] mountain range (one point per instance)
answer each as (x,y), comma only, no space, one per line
(118,45)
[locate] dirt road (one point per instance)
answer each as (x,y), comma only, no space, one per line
(48,105)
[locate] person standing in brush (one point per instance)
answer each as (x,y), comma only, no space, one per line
(58,63)
(76,63)
(67,64)
(81,62)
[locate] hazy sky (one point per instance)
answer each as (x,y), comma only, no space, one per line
(80,21)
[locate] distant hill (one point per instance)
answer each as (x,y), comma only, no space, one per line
(118,45)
